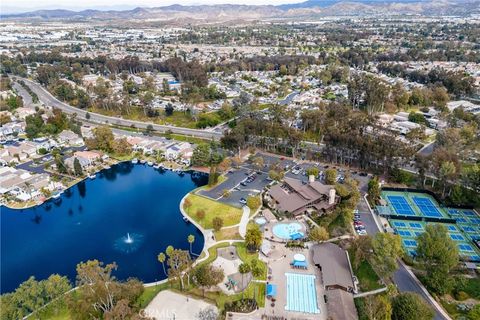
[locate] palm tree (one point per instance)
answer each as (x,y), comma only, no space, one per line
(161,258)
(243,269)
(169,250)
(191,239)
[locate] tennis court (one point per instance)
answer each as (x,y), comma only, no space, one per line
(400,205)
(468,221)
(409,231)
(427,207)
(411,204)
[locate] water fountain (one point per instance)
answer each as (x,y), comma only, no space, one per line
(129,243)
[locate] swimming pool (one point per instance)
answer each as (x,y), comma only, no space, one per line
(301,293)
(287,230)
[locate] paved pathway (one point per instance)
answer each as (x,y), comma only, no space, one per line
(242,227)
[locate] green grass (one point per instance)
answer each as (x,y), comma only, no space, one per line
(228,234)
(254,290)
(213,252)
(366,276)
(247,257)
(149,293)
(471,287)
(360,305)
(229,214)
(55,311)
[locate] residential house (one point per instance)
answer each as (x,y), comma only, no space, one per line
(67,137)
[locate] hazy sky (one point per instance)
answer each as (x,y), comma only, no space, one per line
(83,4)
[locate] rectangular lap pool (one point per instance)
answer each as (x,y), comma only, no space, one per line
(301,293)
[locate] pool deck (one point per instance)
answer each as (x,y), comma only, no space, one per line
(279,264)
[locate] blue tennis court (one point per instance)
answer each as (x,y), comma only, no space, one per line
(461,220)
(457,237)
(416,225)
(474,257)
(399,224)
(468,229)
(452,228)
(465,247)
(469,213)
(475,220)
(401,205)
(454,212)
(427,207)
(404,233)
(418,233)
(409,243)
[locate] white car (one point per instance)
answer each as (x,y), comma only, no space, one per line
(362,232)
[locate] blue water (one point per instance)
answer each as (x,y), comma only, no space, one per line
(91,221)
(286,230)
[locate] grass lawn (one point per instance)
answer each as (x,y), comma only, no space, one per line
(213,252)
(254,290)
(230,215)
(149,293)
(367,277)
(55,311)
(228,234)
(245,256)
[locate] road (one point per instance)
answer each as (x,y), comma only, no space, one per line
(46,98)
(27,98)
(404,280)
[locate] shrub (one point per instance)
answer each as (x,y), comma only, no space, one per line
(200,214)
(217,223)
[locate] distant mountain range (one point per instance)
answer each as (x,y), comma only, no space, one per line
(229,12)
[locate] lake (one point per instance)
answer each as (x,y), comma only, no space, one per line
(128,215)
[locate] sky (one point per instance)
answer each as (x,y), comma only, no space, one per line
(26,5)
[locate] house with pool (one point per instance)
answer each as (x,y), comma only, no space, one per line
(296,197)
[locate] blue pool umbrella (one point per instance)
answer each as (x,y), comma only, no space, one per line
(271,290)
(296,236)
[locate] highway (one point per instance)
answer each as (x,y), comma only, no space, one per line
(49,100)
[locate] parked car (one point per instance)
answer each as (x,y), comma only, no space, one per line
(243,201)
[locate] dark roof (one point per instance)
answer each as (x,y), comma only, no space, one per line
(300,195)
(335,265)
(340,305)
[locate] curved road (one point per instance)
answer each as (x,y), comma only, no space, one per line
(49,100)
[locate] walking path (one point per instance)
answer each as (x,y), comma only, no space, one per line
(242,227)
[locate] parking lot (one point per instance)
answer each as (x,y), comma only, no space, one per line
(238,186)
